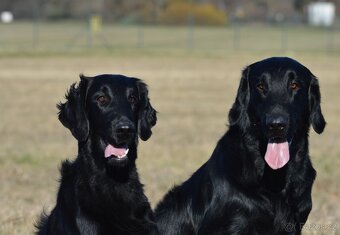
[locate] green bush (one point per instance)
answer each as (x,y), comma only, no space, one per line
(181,12)
(207,14)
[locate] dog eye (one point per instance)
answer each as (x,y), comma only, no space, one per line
(294,86)
(103,100)
(133,99)
(260,86)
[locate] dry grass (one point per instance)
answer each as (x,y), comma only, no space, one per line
(192,95)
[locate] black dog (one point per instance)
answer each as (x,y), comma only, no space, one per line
(259,178)
(100,192)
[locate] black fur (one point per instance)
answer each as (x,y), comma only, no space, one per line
(100,195)
(235,191)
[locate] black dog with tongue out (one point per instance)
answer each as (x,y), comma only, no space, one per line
(259,177)
(100,192)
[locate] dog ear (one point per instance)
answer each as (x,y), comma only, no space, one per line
(72,113)
(147,114)
(238,112)
(316,116)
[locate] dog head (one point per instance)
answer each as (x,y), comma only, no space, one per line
(280,98)
(110,112)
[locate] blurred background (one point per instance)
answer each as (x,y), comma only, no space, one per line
(189,52)
(210,26)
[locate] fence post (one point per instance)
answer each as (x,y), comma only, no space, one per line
(89,38)
(140,35)
(284,37)
(190,32)
(35,26)
(236,36)
(330,41)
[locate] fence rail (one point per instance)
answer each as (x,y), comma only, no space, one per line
(68,37)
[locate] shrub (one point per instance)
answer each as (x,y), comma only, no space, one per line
(180,12)
(207,14)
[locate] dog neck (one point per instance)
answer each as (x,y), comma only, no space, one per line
(94,161)
(249,154)
(279,180)
(113,186)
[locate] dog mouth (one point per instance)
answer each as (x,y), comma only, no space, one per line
(277,153)
(117,153)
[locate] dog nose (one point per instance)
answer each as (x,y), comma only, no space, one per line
(125,129)
(277,124)
(124,133)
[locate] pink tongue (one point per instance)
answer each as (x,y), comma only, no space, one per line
(110,150)
(277,155)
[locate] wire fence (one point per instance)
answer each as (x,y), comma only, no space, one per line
(92,35)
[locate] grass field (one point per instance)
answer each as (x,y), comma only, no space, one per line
(191,92)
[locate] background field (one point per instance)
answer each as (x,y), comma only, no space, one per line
(191,90)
